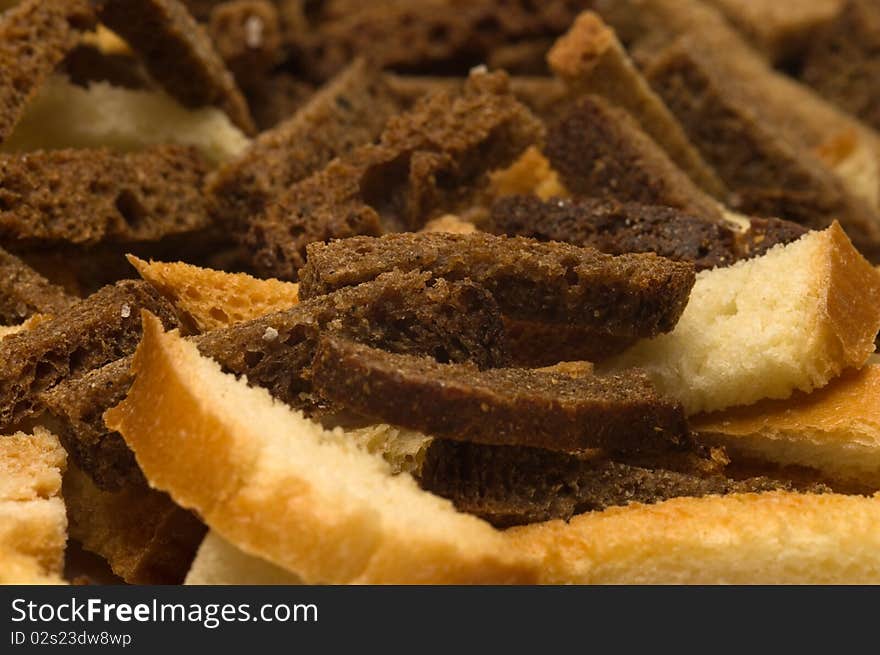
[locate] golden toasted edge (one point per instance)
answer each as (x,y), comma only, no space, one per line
(778,537)
(209,299)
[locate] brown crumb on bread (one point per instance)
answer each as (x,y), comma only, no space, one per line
(35,36)
(179,55)
(499,406)
(91,196)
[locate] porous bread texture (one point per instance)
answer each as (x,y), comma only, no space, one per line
(280,487)
(835,430)
(63,115)
(218,562)
(776,537)
(33,524)
(33,321)
(212,299)
(792,319)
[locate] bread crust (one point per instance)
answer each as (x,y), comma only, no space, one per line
(777,537)
(244,463)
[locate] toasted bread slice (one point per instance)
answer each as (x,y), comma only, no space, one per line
(793,319)
(835,429)
(33,525)
(778,537)
(781,31)
(218,562)
(63,115)
(279,486)
(590,59)
(212,299)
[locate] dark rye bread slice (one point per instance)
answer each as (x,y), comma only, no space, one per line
(90,196)
(35,36)
(77,406)
(248,36)
(515,485)
(24,292)
(768,173)
(427,36)
(843,63)
(87,63)
(600,151)
(433,159)
(349,111)
(636,296)
(500,406)
(398,312)
(93,332)
(178,53)
(533,344)
(276,97)
(616,228)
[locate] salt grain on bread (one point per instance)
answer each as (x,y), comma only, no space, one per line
(793,319)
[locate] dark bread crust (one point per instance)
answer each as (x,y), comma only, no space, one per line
(434,158)
(500,406)
(350,110)
(78,405)
(430,37)
(768,174)
(517,485)
(600,151)
(35,36)
(843,63)
(91,196)
(627,296)
(87,63)
(24,292)
(617,228)
(179,54)
(93,332)
(399,312)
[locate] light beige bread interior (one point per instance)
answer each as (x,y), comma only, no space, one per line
(64,115)
(211,299)
(33,524)
(793,319)
(835,430)
(218,562)
(280,487)
(778,537)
